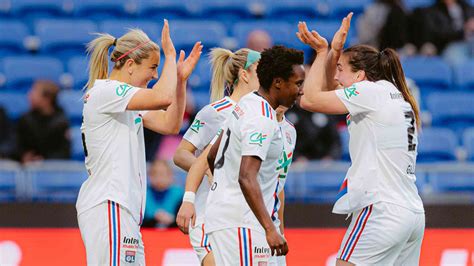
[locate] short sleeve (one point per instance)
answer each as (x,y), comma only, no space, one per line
(361,97)
(114,98)
(257,133)
(203,128)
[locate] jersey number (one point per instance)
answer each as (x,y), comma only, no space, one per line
(220,162)
(411,130)
(84,140)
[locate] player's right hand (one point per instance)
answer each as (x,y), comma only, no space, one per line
(186,217)
(166,42)
(277,243)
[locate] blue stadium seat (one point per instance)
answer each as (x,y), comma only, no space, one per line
(200,79)
(223,10)
(464,76)
(413,4)
(468,141)
(294,10)
(340,8)
(117,28)
(104,9)
(186,33)
(21,71)
(56,181)
(30,10)
(77,149)
(201,99)
(322,186)
(72,103)
(77,67)
(437,144)
(10,181)
(327,28)
(451,182)
(344,134)
(15,104)
(160,9)
(12,43)
(428,72)
(280,31)
(453,109)
(64,38)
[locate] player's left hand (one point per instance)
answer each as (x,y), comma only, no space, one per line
(313,39)
(186,217)
(340,36)
(186,66)
(277,243)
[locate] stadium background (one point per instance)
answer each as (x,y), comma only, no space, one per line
(45,39)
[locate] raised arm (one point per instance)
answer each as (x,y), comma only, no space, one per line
(316,98)
(337,45)
(169,121)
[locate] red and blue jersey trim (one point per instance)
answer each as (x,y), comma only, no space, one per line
(267,110)
(114,233)
(342,190)
(245,246)
(221,104)
(275,205)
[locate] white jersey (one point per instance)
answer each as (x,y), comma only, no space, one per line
(288,132)
(205,126)
(251,130)
(115,149)
(383,148)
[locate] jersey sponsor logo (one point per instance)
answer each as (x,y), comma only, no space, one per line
(284,164)
(261,252)
(130,240)
(257,138)
(122,90)
(351,91)
(197,124)
(130,256)
(410,170)
(396,96)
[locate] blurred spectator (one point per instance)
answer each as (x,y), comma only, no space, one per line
(461,51)
(385,24)
(162,198)
(318,138)
(445,22)
(43,132)
(6,135)
(258,40)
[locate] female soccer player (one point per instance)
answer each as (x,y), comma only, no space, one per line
(379,190)
(236,72)
(111,202)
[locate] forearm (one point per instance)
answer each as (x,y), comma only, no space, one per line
(197,172)
(174,113)
(331,64)
(253,196)
(315,79)
(184,159)
(167,83)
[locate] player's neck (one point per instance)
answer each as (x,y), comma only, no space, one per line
(267,96)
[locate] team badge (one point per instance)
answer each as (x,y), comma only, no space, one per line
(288,137)
(130,256)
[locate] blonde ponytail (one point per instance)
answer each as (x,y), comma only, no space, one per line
(225,69)
(99,58)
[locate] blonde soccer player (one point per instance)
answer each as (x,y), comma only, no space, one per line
(236,72)
(111,201)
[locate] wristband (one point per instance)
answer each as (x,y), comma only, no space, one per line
(189,196)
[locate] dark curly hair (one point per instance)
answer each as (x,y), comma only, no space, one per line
(277,62)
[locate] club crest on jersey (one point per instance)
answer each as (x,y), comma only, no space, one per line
(197,124)
(122,89)
(351,91)
(288,138)
(257,138)
(130,256)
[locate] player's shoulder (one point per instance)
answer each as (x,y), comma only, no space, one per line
(223,105)
(257,106)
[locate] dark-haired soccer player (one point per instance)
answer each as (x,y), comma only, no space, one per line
(241,201)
